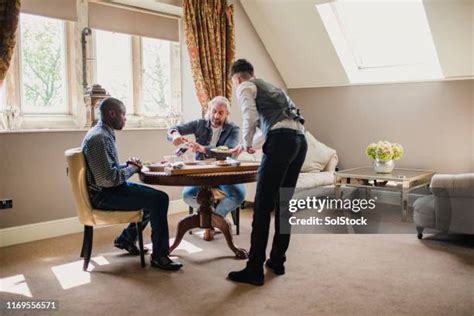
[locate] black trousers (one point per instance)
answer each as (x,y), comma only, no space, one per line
(284,153)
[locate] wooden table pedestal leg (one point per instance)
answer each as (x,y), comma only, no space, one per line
(207,219)
(187,223)
(225,227)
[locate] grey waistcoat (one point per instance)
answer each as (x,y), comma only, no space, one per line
(273,106)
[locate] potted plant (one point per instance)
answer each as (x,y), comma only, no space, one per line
(384,153)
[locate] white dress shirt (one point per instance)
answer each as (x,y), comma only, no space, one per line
(246,94)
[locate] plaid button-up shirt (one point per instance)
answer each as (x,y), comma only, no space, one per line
(100,152)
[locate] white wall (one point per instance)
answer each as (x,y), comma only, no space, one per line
(452,26)
(434,122)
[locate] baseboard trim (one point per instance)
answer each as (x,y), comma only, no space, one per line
(43,230)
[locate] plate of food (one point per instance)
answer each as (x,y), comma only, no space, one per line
(193,163)
(221,163)
(221,152)
(155,166)
(221,149)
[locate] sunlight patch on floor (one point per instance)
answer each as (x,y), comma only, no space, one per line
(15,285)
(184,245)
(70,275)
(100,260)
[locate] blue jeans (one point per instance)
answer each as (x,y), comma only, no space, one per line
(234,196)
(131,196)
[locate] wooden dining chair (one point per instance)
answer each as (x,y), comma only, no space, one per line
(90,217)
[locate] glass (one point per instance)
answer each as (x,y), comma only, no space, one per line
(401,36)
(114,65)
(3,97)
(156,79)
(43,72)
(171,158)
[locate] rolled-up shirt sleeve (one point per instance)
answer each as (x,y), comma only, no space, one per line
(246,94)
(103,164)
(183,129)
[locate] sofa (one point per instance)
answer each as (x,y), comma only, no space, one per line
(317,174)
(450,208)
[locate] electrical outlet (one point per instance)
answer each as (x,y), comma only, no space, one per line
(6,203)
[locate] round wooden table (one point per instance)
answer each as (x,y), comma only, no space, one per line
(205,217)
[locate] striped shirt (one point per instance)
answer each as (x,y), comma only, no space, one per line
(100,152)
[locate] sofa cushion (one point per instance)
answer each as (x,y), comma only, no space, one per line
(314,179)
(318,155)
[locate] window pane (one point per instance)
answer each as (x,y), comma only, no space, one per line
(156,79)
(386,33)
(381,40)
(3,99)
(43,72)
(114,65)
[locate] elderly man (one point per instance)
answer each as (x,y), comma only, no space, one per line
(109,189)
(211,132)
(284,152)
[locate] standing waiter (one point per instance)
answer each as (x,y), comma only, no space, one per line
(284,152)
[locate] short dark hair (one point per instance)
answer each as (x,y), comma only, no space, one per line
(110,104)
(241,65)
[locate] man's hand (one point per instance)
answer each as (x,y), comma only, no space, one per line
(236,150)
(250,150)
(178,139)
(135,162)
(198,148)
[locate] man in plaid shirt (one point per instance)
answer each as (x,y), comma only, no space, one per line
(109,189)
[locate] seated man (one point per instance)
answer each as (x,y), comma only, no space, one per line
(109,189)
(210,133)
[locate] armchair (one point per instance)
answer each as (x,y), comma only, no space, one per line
(451,206)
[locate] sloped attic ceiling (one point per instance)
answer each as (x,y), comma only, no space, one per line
(296,39)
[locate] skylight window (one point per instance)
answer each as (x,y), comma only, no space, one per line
(382,40)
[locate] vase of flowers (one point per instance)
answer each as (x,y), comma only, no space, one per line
(384,153)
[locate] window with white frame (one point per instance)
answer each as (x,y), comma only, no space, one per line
(43,80)
(3,98)
(157,73)
(382,40)
(142,72)
(114,65)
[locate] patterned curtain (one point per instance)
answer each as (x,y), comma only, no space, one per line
(210,37)
(9,14)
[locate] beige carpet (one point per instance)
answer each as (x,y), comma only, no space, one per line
(327,274)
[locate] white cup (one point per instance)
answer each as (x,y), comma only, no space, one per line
(171,158)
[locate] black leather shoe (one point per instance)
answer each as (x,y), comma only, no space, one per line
(278,269)
(247,276)
(130,247)
(165,263)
